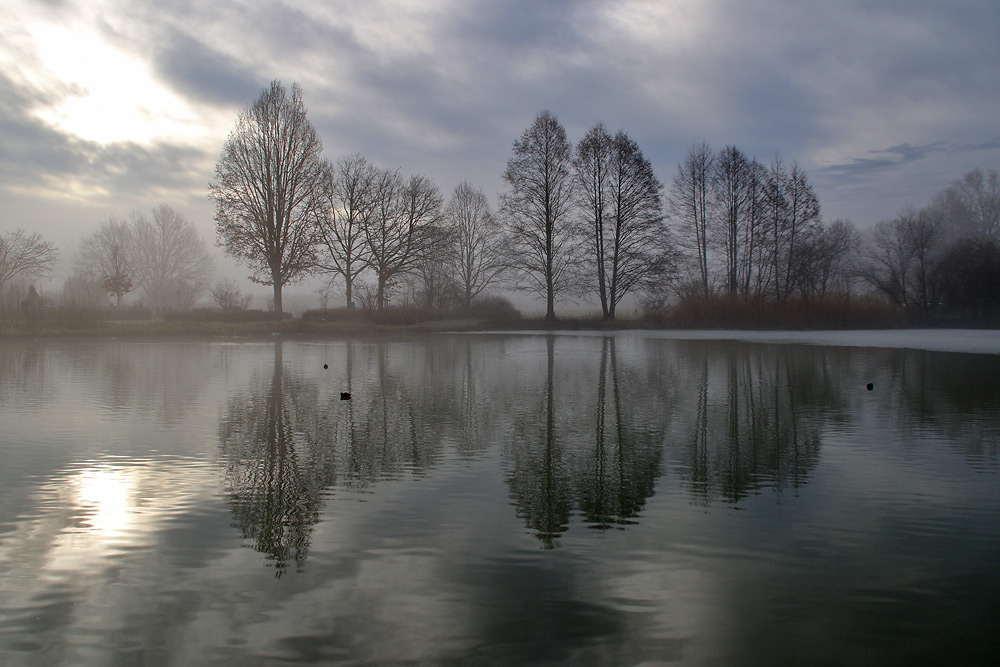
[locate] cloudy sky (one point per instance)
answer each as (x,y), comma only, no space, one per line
(108,106)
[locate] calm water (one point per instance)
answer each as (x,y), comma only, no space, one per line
(497,500)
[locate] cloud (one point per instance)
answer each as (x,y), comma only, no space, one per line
(204,74)
(444,88)
(42,159)
(901,154)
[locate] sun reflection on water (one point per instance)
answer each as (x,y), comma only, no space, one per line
(104,499)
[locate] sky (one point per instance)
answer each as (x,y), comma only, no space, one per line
(113,106)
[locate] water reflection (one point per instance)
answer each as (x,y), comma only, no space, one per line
(586,428)
(750,418)
(625,457)
(275,467)
(415,511)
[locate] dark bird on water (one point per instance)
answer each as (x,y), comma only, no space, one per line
(345,395)
(325,366)
(870,386)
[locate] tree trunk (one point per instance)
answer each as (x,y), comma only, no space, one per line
(277,300)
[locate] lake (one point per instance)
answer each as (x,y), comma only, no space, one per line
(634,498)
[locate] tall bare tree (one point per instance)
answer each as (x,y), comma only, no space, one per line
(538,209)
(478,243)
(270,189)
(754,266)
(690,202)
(633,246)
(399,231)
(342,229)
(591,164)
(171,261)
(24,255)
(793,214)
(730,186)
(109,254)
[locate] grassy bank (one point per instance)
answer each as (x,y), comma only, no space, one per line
(172,329)
(711,313)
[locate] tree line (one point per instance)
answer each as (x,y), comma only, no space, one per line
(942,260)
(584,220)
(287,213)
(160,254)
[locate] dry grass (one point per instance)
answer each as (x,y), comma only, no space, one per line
(723,312)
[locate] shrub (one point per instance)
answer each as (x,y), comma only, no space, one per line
(214,315)
(335,315)
(494,309)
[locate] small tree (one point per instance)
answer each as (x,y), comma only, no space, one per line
(228,295)
(109,254)
(400,229)
(24,256)
(477,245)
(351,206)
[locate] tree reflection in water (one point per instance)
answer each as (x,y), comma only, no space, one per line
(753,419)
(733,420)
(585,434)
(275,468)
(540,480)
(625,460)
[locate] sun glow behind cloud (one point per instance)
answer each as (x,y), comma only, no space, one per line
(115,98)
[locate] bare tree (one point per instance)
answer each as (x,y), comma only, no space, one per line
(538,208)
(432,280)
(399,231)
(24,255)
(794,213)
(591,164)
(171,261)
(828,254)
(924,235)
(228,295)
(342,229)
(109,254)
(755,264)
(971,205)
(478,246)
(635,243)
(690,202)
(730,181)
(899,257)
(270,189)
(323,292)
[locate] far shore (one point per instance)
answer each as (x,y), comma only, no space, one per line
(157,329)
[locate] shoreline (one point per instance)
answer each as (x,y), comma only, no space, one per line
(263,330)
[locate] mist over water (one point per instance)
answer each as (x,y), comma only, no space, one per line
(497,499)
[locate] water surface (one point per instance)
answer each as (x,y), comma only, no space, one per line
(498,499)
